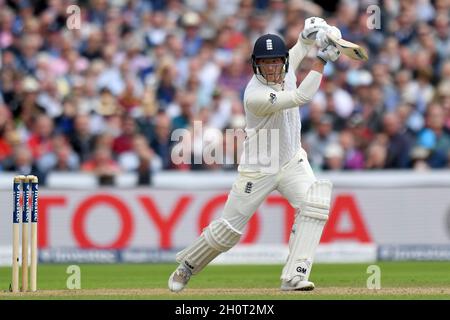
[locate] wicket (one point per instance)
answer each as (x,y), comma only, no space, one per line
(25,182)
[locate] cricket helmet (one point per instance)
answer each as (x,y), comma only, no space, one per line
(269,46)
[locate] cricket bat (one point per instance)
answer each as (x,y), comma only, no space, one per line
(348,48)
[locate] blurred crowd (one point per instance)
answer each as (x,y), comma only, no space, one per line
(106,97)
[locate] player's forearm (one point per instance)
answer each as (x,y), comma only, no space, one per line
(309,86)
(298,52)
(264,103)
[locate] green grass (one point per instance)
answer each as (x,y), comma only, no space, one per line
(399,280)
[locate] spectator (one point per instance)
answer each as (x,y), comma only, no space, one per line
(338,102)
(235,75)
(333,157)
(92,47)
(129,99)
(317,140)
(26,107)
(353,158)
(124,142)
(166,89)
(373,109)
(155,31)
(141,159)
(22,162)
(61,158)
(40,140)
(443,98)
(81,139)
(434,137)
(383,79)
(311,120)
(399,143)
(28,51)
(410,119)
(7,133)
(161,142)
(192,40)
(102,165)
(220,111)
(187,106)
(376,156)
(441,24)
(65,122)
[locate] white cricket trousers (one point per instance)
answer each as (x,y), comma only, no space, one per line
(251,188)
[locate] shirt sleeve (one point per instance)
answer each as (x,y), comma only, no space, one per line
(298,52)
(264,102)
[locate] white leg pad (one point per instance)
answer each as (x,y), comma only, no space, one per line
(218,237)
(306,232)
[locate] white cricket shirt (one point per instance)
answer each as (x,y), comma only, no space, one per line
(273,122)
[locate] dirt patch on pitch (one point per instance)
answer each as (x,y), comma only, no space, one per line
(219,293)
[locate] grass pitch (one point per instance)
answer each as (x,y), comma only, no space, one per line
(399,280)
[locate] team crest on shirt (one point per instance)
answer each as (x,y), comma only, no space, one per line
(273,98)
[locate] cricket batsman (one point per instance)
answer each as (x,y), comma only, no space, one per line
(271,102)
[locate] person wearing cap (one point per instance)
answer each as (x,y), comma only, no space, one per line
(334,157)
(192,40)
(271,101)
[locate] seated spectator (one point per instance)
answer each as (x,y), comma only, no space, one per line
(337,100)
(161,143)
(443,98)
(129,99)
(376,156)
(102,165)
(192,39)
(399,143)
(62,157)
(124,142)
(92,48)
(81,138)
(334,157)
(22,162)
(221,111)
(434,137)
(311,119)
(39,141)
(410,119)
(25,105)
(373,109)
(65,122)
(166,91)
(7,133)
(235,75)
(361,133)
(353,158)
(187,108)
(317,140)
(107,104)
(141,159)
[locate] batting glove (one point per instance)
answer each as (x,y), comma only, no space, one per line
(329,53)
(322,39)
(312,26)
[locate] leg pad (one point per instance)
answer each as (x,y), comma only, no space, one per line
(307,230)
(218,237)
